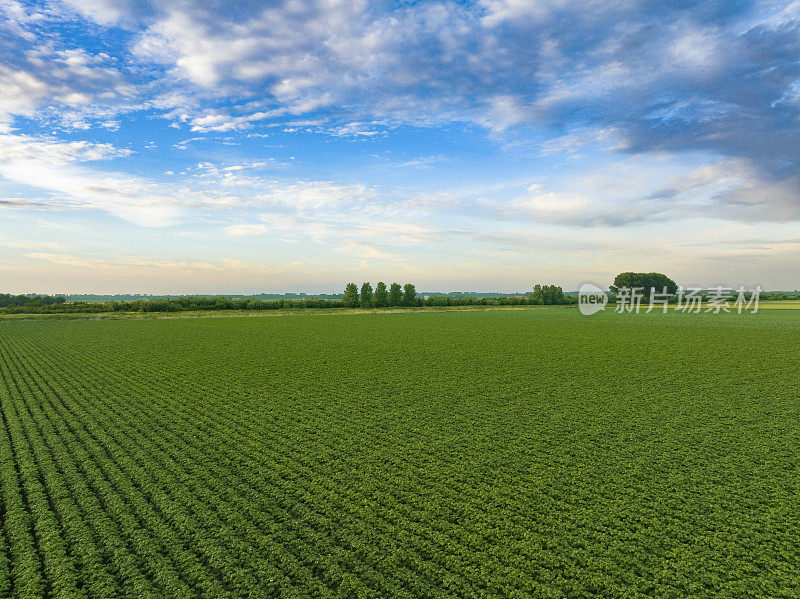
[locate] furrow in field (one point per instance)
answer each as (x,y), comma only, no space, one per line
(237,463)
(248,504)
(168,482)
(141,485)
(65,520)
(139,434)
(294,482)
(32,561)
(486,459)
(84,523)
(5,552)
(5,549)
(464,493)
(412,523)
(312,516)
(113,489)
(422,532)
(164,491)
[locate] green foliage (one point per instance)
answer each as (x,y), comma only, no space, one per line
(779,295)
(409,295)
(646,280)
(350,298)
(448,300)
(160,305)
(549,295)
(395,294)
(478,453)
(381,298)
(32,300)
(541,295)
(193,303)
(366,296)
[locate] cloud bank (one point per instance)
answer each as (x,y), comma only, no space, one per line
(654,114)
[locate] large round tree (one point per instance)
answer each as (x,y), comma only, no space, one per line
(646,281)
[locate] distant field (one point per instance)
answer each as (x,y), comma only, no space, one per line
(426,454)
(267,313)
(780,305)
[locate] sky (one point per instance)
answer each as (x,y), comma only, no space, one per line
(251,146)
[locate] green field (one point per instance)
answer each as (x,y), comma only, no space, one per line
(433,454)
(780,305)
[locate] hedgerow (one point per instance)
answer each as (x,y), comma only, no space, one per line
(406,297)
(434,454)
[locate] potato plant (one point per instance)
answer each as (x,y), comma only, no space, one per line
(526,453)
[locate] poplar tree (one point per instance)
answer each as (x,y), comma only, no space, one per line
(366,295)
(409,295)
(395,294)
(381,299)
(350,298)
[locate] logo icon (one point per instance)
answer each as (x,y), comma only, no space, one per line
(591,299)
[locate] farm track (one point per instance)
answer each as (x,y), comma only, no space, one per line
(143,473)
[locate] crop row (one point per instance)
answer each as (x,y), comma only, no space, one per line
(239,459)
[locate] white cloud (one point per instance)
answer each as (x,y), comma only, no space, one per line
(499,11)
(17,19)
(602,77)
(315,208)
(317,196)
(333,47)
(505,111)
(68,86)
(20,92)
(337,216)
(575,142)
(575,208)
(220,122)
(423,162)
(245,230)
(74,99)
(51,151)
(137,263)
(103,12)
(695,49)
(24,159)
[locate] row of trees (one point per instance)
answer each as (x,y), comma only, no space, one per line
(157,305)
(8,300)
(647,282)
(395,295)
(179,304)
(382,297)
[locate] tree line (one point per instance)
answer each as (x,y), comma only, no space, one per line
(406,296)
(395,295)
(179,304)
(647,282)
(33,300)
(381,296)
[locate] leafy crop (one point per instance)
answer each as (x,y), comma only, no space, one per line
(431,454)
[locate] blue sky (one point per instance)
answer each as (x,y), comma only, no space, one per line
(220,147)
